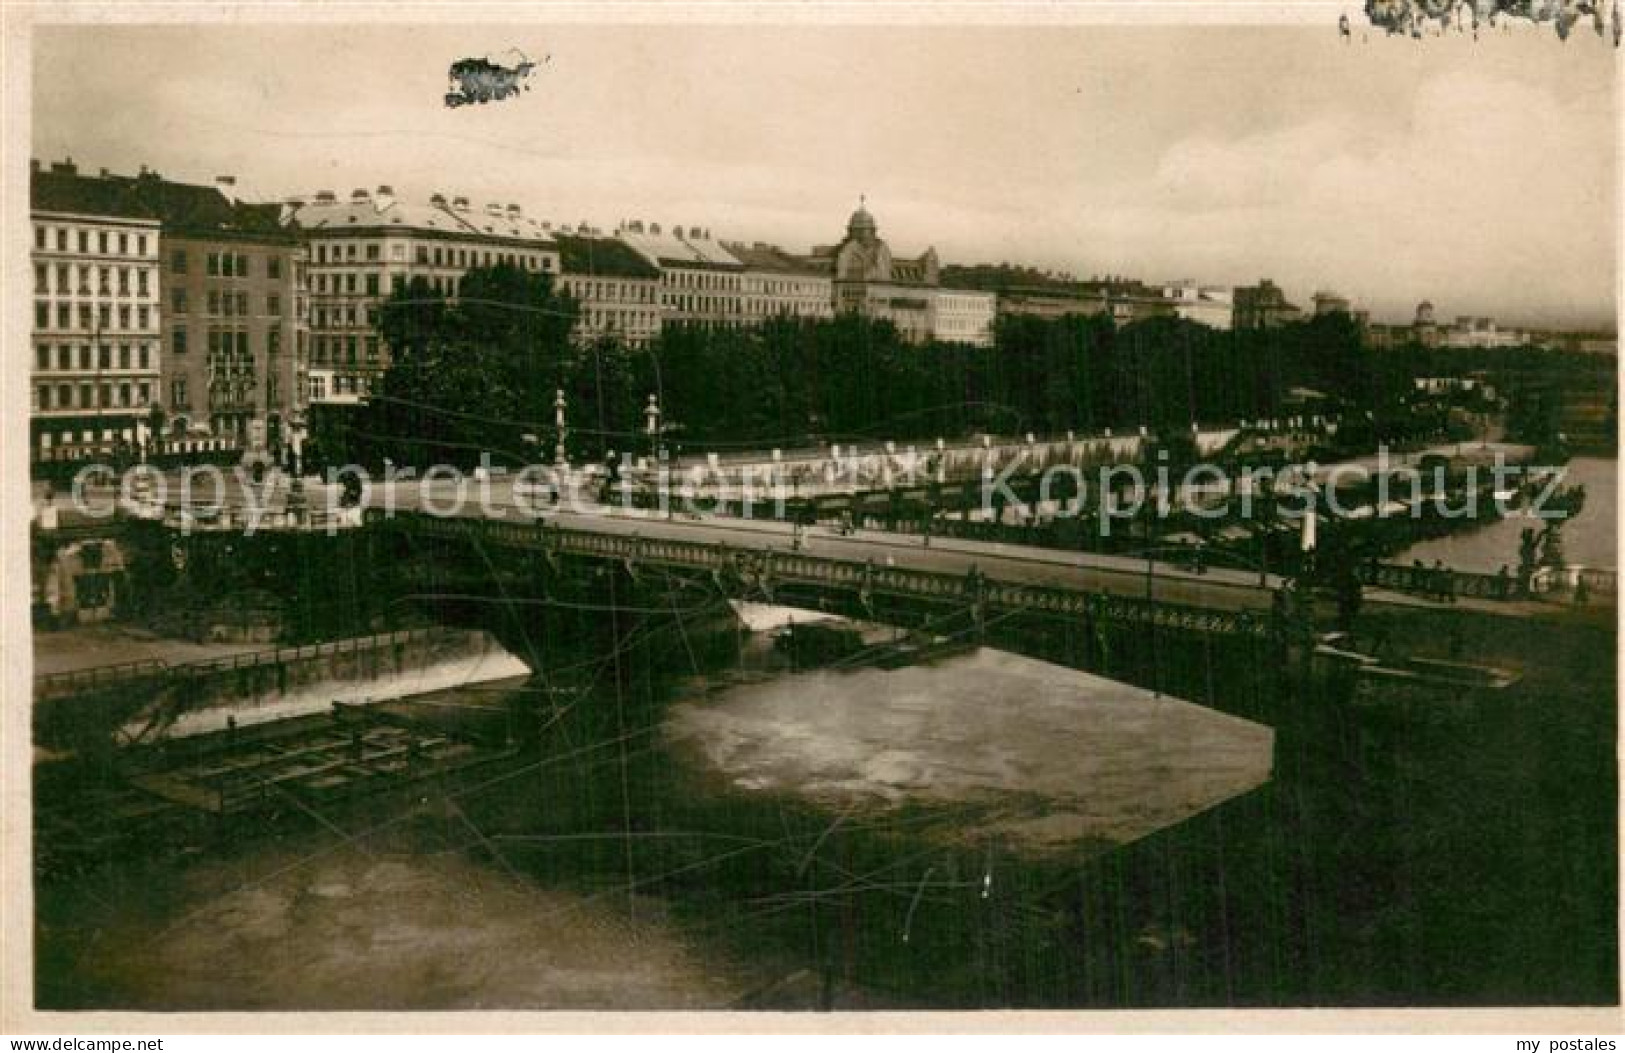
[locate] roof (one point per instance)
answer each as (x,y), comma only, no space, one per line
(759,257)
(58,191)
(182,208)
(375,213)
(669,250)
(601,256)
(187,207)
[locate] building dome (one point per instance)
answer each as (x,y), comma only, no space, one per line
(862,224)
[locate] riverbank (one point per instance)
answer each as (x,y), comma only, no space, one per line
(1589,540)
(85,647)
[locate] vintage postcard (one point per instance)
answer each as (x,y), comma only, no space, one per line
(878,515)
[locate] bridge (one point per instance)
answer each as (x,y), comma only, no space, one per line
(778,562)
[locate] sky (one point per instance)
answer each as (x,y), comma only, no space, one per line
(1478,175)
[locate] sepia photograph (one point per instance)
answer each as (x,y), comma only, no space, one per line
(769,511)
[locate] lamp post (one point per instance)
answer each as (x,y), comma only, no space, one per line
(651,416)
(559,406)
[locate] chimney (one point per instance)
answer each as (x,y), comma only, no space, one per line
(654,228)
(67,167)
(437,200)
(326,197)
(385,196)
(360,194)
(493,209)
(33,164)
(636,226)
(513,210)
(460,204)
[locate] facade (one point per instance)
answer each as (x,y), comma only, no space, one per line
(1263,306)
(1480,332)
(1469,331)
(1328,302)
(870,281)
(97,338)
(362,249)
(234,314)
(777,284)
(1047,303)
(701,281)
(1211,305)
(1124,299)
(618,290)
(964,316)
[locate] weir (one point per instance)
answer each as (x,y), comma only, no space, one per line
(140,702)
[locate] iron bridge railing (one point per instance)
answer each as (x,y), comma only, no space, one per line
(746,572)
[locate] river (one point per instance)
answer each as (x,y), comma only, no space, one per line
(1589,540)
(986,831)
(987,753)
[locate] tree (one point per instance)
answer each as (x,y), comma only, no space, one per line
(470,376)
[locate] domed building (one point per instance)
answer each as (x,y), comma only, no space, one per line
(1426,330)
(871,281)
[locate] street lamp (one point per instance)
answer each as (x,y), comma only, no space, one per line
(651,416)
(559,406)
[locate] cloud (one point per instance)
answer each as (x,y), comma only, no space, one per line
(1498,191)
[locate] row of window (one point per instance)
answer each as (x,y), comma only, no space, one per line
(349,315)
(225,340)
(792,287)
(344,386)
(81,240)
(86,436)
(225,264)
(795,308)
(87,316)
(71,280)
(83,357)
(226,303)
(603,289)
(710,280)
(346,283)
(237,393)
(964,303)
(596,318)
(372,285)
(437,255)
(339,349)
(712,305)
(92,396)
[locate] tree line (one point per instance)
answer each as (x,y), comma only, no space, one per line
(478,374)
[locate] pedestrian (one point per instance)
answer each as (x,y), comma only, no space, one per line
(1444,582)
(1582,592)
(1503,582)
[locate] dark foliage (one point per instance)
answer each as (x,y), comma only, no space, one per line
(479,375)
